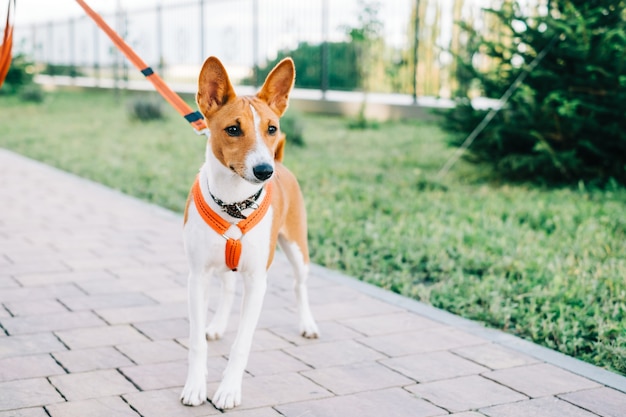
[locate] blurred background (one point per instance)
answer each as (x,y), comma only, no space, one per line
(327,38)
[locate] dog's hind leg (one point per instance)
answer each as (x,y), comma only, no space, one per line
(307,325)
(218,323)
(194,392)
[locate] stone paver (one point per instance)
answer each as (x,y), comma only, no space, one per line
(393,402)
(325,355)
(362,306)
(432,366)
(91,359)
(263,340)
(25,412)
(494,356)
(389,323)
(270,390)
(45,292)
(153,352)
(7,282)
(95,407)
(540,380)
(541,407)
(602,401)
(164,329)
(51,322)
(357,377)
(25,367)
(96,384)
(163,375)
(331,332)
(35,279)
(420,341)
(33,308)
(29,344)
(117,285)
(143,313)
(465,393)
(26,393)
(100,336)
(114,300)
(257,412)
(165,402)
(271,362)
(93,322)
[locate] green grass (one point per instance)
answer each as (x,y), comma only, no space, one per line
(548,265)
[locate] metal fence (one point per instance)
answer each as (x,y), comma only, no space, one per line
(176,38)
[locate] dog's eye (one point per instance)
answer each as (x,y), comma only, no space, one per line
(233,131)
(272,130)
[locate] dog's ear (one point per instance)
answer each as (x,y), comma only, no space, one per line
(214,87)
(278,85)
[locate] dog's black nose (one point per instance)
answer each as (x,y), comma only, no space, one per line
(263,171)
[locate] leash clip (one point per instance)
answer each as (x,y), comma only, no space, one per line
(204,132)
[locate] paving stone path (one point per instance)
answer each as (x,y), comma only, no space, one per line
(93,323)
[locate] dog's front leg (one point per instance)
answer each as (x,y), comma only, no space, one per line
(194,392)
(218,324)
(228,394)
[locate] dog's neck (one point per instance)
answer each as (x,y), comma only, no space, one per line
(224,184)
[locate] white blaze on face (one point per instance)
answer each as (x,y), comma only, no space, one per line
(260,154)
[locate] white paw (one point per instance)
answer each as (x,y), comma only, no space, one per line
(214,331)
(309,330)
(228,395)
(194,392)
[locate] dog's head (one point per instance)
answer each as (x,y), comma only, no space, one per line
(244,131)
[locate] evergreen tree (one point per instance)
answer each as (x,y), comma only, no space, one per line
(567,121)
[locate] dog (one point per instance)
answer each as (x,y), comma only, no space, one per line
(243,203)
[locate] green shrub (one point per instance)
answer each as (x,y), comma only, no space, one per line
(146,109)
(32,93)
(292,125)
(56,69)
(343,73)
(20,75)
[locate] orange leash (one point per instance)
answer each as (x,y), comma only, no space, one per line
(220,225)
(6,46)
(195,118)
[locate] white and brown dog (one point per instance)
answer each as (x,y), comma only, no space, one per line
(243,203)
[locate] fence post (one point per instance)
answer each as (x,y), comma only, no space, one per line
(71,45)
(255,43)
(33,31)
(202,53)
(124,33)
(116,55)
(159,38)
(324,50)
(50,42)
(416,43)
(96,53)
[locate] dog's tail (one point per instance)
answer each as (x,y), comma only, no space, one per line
(280,149)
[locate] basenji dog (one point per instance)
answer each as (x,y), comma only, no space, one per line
(243,203)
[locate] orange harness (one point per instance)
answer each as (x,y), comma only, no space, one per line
(220,225)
